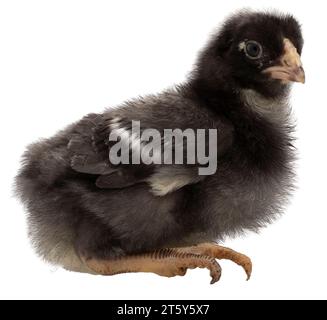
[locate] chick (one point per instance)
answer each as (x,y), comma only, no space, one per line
(89,214)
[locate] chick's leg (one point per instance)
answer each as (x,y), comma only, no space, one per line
(219,252)
(164,262)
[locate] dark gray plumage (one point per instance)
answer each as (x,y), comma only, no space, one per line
(80,206)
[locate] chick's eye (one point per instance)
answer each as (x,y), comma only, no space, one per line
(253,50)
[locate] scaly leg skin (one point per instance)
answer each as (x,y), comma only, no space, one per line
(218,252)
(164,262)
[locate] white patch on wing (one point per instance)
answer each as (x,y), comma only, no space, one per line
(114,126)
(168,179)
(161,187)
(115,123)
(115,120)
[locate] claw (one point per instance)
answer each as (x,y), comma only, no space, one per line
(215,276)
(248,269)
(243,261)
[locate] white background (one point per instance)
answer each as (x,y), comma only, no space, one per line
(60,60)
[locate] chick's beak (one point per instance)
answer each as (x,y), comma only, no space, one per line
(289,67)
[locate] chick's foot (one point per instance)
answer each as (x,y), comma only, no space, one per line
(164,262)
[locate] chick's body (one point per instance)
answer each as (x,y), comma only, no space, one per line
(71,216)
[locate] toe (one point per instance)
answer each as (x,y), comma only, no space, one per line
(247,266)
(215,272)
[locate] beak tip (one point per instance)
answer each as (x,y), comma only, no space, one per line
(301,75)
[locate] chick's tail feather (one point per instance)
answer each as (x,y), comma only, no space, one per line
(42,166)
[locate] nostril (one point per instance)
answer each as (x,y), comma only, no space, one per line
(286,62)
